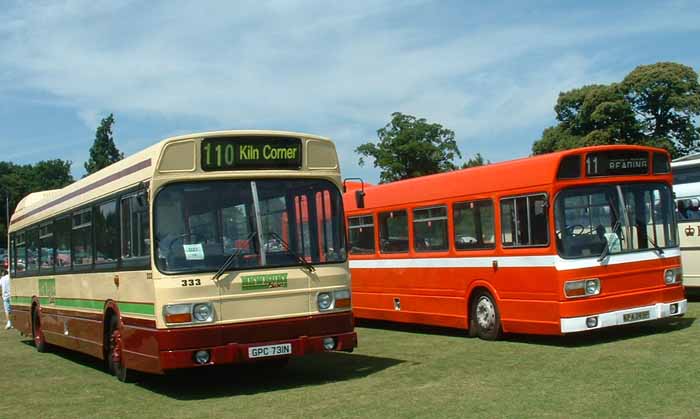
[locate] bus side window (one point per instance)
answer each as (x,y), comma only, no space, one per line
(474,225)
(62,230)
(81,238)
(430,229)
(361,229)
(135,231)
(393,231)
(106,234)
(524,221)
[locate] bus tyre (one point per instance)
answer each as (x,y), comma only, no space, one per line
(37,332)
(115,360)
(485,319)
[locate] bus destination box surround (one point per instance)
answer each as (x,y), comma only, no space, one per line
(250,153)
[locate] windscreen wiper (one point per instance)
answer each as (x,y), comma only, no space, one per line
(232,257)
(300,259)
(606,247)
(659,250)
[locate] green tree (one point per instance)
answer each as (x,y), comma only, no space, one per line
(653,105)
(477,160)
(20,180)
(103,151)
(409,147)
(666,99)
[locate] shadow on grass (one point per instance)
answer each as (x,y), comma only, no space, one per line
(232,380)
(251,379)
(607,335)
(692,294)
(581,339)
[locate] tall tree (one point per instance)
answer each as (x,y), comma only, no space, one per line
(477,160)
(666,99)
(409,147)
(103,151)
(653,105)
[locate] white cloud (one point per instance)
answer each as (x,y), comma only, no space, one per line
(335,69)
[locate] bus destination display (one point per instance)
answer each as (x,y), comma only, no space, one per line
(242,153)
(617,163)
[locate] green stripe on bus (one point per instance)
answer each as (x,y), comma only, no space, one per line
(137,308)
(89,304)
(133,308)
(21,300)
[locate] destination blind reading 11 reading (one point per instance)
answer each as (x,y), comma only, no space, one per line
(611,163)
(251,153)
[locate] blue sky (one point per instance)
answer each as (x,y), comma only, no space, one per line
(490,72)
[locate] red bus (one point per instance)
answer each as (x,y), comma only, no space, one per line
(553,244)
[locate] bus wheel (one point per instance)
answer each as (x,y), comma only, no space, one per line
(115,360)
(37,333)
(485,319)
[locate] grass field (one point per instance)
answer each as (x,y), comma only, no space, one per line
(641,371)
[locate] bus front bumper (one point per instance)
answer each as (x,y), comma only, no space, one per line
(241,352)
(626,316)
(239,343)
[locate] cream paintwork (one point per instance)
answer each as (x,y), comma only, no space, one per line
(690,243)
(231,304)
(690,251)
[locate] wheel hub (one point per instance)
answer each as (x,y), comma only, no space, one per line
(485,313)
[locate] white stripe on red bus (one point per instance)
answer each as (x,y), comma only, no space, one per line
(512,261)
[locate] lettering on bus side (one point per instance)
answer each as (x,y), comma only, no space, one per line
(47,290)
(263,281)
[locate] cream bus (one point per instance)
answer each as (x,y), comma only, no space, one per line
(203,249)
(686,186)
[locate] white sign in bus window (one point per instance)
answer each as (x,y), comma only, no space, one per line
(193,251)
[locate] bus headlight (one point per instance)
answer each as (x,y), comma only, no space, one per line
(592,287)
(673,276)
(325,301)
(188,313)
(582,288)
(203,312)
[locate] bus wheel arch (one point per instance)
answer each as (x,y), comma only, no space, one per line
(114,345)
(37,331)
(483,314)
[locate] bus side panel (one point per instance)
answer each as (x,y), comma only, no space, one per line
(689,235)
(76,330)
(140,345)
(527,297)
(413,295)
(22,319)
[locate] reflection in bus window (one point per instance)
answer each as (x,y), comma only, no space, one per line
(33,249)
(81,237)
(261,223)
(46,247)
(106,233)
(430,229)
(524,221)
(474,225)
(135,242)
(590,218)
(62,230)
(393,232)
(361,234)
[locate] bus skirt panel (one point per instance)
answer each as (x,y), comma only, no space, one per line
(232,343)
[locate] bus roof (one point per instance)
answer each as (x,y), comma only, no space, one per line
(122,175)
(510,175)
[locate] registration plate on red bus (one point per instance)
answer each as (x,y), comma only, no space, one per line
(270,350)
(635,317)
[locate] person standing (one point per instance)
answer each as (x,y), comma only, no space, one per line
(5,285)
